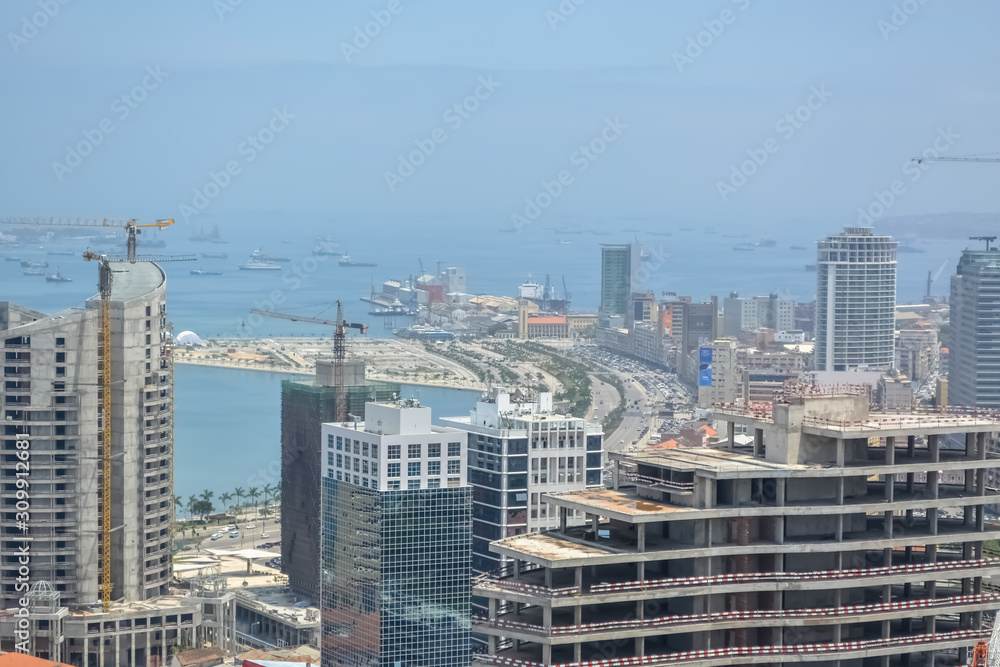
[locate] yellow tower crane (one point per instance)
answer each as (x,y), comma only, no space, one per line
(339,349)
(131,225)
(104,287)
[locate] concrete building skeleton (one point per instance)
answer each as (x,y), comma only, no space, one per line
(794,549)
(50,398)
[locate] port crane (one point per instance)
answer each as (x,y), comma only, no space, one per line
(339,348)
(132,228)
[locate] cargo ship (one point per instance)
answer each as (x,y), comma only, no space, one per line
(203,272)
(346,260)
(58,278)
(254,263)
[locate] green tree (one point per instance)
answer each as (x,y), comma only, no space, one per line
(191,505)
(239,495)
(225,498)
(254,494)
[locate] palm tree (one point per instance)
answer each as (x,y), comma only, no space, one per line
(267,491)
(178,503)
(254,493)
(225,498)
(192,503)
(239,495)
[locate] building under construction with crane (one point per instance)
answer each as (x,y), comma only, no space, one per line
(838,536)
(87,489)
(338,392)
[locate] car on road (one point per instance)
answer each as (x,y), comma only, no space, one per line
(215,537)
(235,533)
(252,525)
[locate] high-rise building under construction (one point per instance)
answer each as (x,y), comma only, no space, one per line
(50,393)
(305,406)
(53,502)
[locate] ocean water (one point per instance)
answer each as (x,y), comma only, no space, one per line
(696,261)
(228,426)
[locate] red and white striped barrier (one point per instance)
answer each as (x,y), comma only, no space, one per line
(742,651)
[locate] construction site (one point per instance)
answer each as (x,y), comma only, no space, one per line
(87,575)
(821,541)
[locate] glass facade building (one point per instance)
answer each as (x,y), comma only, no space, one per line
(974,355)
(619,265)
(305,406)
(396,543)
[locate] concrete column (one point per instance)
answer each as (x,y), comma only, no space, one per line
(887,523)
(577,652)
(547,618)
(578,615)
(932,446)
(86,652)
(970,481)
(516,567)
(981,446)
(149,646)
(578,578)
(890,450)
(731,434)
(546,654)
(758,443)
(563,520)
(595,522)
(640,646)
(909,482)
(100,650)
(840,453)
(640,533)
(615,471)
(118,649)
(548,577)
(970,445)
(840,527)
(932,484)
(780,493)
(911,443)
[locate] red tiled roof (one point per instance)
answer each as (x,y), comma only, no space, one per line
(24,660)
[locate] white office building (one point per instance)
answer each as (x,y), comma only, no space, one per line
(855,301)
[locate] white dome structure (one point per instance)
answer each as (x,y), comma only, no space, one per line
(189,338)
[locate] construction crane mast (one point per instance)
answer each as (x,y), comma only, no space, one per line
(104,287)
(339,348)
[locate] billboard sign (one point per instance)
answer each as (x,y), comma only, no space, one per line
(705,367)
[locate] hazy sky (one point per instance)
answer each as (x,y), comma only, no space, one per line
(666,119)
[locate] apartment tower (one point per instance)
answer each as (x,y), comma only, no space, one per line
(50,393)
(855,301)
